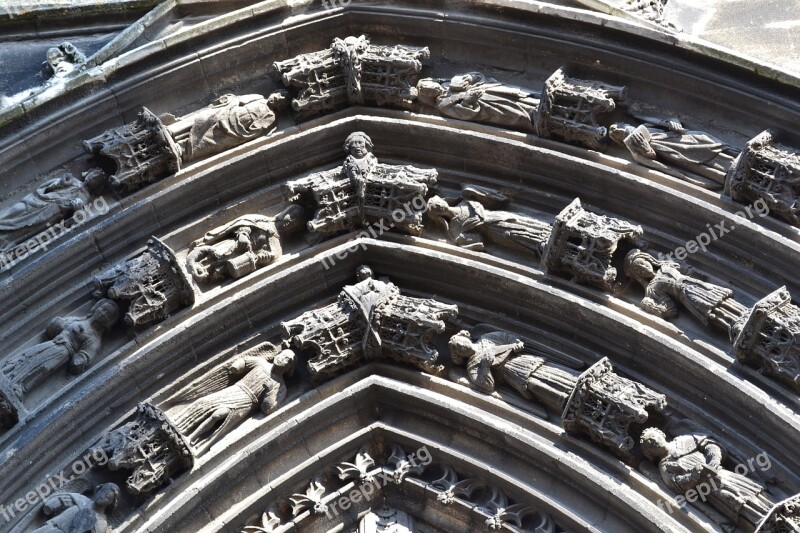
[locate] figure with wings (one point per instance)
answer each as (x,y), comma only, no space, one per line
(474,219)
(231,394)
(664,144)
(73,512)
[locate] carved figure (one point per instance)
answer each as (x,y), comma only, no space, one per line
(153,147)
(768,171)
(664,144)
(363,191)
(242,246)
(535,378)
(472,220)
(666,285)
(474,97)
(570,109)
(60,62)
(488,352)
(228,121)
(583,244)
(225,398)
(369,320)
(53,201)
(153,284)
(352,72)
(73,512)
(688,461)
(73,342)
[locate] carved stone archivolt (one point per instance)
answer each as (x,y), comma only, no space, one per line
(370,320)
(352,71)
(149,287)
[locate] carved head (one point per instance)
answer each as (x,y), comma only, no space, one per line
(619,131)
(278,100)
(654,444)
(438,206)
(107,496)
(104,314)
(462,82)
(290,220)
(460,347)
(94,180)
(55,56)
(284,362)
(358,144)
(363,272)
(641,266)
(428,90)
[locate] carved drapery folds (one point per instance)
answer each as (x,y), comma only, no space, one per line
(73,512)
(242,246)
(150,286)
(352,72)
(689,461)
(475,219)
(570,109)
(769,338)
(768,171)
(604,405)
(582,245)
(73,343)
(369,320)
(363,191)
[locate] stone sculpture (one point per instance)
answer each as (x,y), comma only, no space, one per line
(490,351)
(352,71)
(363,191)
(61,61)
(769,338)
(150,286)
(665,144)
(570,109)
(473,220)
(370,320)
(225,398)
(769,171)
(242,246)
(784,517)
(666,285)
(73,512)
(476,98)
(73,342)
(153,147)
(689,461)
(53,201)
(583,245)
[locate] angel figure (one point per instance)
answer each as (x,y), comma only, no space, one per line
(488,352)
(72,341)
(72,512)
(664,144)
(473,220)
(689,461)
(231,394)
(474,97)
(243,245)
(667,284)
